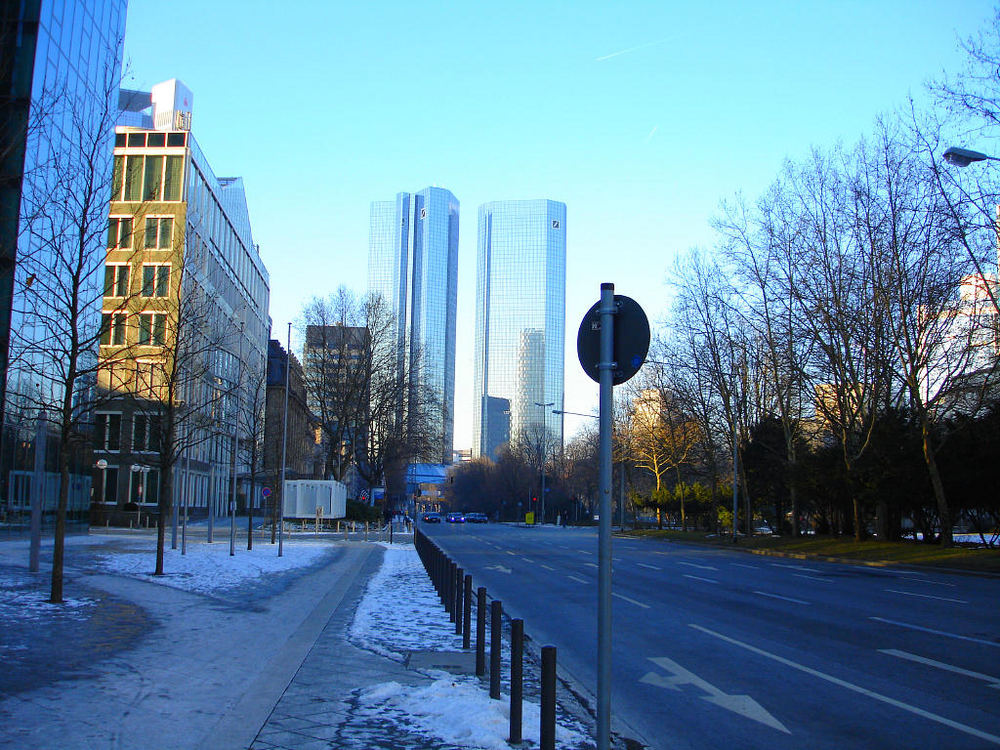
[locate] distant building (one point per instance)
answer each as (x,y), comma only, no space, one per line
(520,324)
(413,265)
(57,57)
(304,455)
(181,261)
(337,377)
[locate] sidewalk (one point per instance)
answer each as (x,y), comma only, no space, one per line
(268,665)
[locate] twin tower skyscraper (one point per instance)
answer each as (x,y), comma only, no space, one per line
(520,312)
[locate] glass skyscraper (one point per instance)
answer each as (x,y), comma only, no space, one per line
(520,324)
(59,77)
(413,265)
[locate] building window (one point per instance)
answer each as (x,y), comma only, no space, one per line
(158,233)
(147,380)
(152,329)
(172,181)
(156,140)
(145,489)
(155,280)
(133,178)
(108,427)
(146,433)
(118,174)
(116,280)
(119,233)
(112,329)
(106,485)
(154,178)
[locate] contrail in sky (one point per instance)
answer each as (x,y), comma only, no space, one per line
(602,58)
(650,136)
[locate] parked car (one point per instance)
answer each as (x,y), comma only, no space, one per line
(477,518)
(431,518)
(456,518)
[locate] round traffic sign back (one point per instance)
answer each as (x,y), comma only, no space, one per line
(631,340)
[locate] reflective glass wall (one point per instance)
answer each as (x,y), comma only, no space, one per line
(520,324)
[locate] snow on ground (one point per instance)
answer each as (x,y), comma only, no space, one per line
(209,568)
(401,612)
(22,600)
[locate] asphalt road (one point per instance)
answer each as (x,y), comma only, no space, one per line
(716,648)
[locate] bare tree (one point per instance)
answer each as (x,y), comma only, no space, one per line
(62,263)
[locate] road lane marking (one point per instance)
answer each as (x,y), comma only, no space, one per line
(783,598)
(793,567)
(591,565)
(917,578)
(630,601)
(743,705)
(659,552)
(578,580)
(812,578)
(699,578)
(982,641)
(547,567)
(927,596)
(994,681)
(651,567)
(499,568)
(528,560)
(511,552)
(696,565)
(855,688)
(744,565)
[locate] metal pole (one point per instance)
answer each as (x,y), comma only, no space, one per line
(736,491)
(516,680)
(187,494)
(210,498)
(37,492)
(284,445)
(496,625)
(236,450)
(547,728)
(606,371)
(480,631)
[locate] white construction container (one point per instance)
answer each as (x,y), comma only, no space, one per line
(307,498)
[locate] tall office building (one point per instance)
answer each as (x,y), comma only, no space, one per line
(185,316)
(413,265)
(59,69)
(520,324)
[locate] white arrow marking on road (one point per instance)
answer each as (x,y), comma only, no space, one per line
(499,568)
(994,681)
(743,705)
(855,688)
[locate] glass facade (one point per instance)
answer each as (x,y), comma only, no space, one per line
(520,324)
(413,265)
(60,75)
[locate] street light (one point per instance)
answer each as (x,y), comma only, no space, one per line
(963,157)
(544,436)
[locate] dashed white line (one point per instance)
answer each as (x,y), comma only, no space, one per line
(812,578)
(699,578)
(630,601)
(917,578)
(922,629)
(744,565)
(793,567)
(855,688)
(783,598)
(591,565)
(547,567)
(650,567)
(696,565)
(941,665)
(529,560)
(578,580)
(927,596)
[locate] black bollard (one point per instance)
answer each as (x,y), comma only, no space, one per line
(547,731)
(516,679)
(467,601)
(459,577)
(496,625)
(480,631)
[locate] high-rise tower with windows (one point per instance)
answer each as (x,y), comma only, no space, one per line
(413,266)
(520,324)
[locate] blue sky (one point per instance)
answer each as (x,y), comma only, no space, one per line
(641,117)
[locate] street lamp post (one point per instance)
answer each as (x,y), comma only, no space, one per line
(543,438)
(963,157)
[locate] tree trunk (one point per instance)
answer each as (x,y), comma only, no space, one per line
(59,541)
(944,512)
(166,505)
